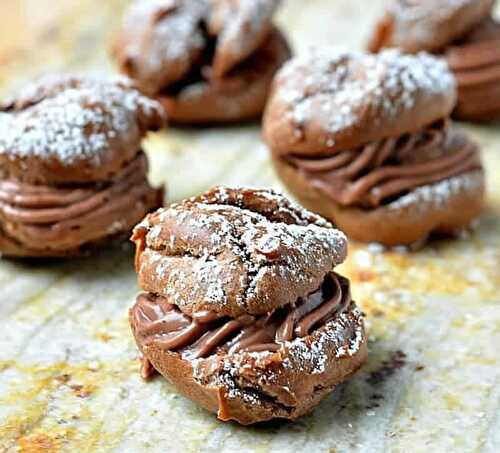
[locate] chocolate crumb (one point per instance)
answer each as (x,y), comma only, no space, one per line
(387,369)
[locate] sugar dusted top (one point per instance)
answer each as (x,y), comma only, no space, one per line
(411,10)
(72,119)
(346,83)
(241,27)
(162,41)
(330,96)
(236,251)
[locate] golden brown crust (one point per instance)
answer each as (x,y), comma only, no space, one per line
(208,61)
(429,25)
(239,95)
(330,101)
(235,251)
(255,387)
(442,208)
(68,129)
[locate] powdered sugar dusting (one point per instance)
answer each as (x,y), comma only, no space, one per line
(333,86)
(439,194)
(163,39)
(342,337)
(175,34)
(226,237)
(282,205)
(252,238)
(73,119)
(339,335)
(242,22)
(419,22)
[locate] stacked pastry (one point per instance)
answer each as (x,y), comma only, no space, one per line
(366,141)
(465,33)
(72,172)
(242,310)
(207,60)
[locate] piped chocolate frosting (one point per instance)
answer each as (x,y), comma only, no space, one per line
(386,169)
(206,332)
(59,217)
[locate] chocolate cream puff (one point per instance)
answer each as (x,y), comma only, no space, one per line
(72,172)
(206,61)
(242,311)
(366,141)
(464,33)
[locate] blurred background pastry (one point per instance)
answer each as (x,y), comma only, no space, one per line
(366,141)
(465,33)
(206,61)
(73,175)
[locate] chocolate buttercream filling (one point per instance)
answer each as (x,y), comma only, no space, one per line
(57,217)
(475,63)
(382,171)
(206,332)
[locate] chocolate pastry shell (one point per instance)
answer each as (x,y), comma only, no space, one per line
(264,252)
(475,62)
(331,103)
(408,224)
(207,62)
(464,33)
(263,249)
(73,176)
(65,129)
(331,100)
(238,96)
(430,27)
(251,388)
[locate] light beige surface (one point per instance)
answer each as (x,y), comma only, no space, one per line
(68,370)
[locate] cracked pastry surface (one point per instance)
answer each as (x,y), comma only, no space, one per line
(72,173)
(463,32)
(360,138)
(240,301)
(207,60)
